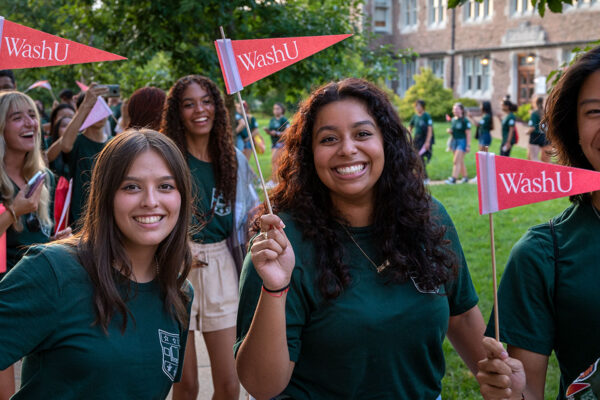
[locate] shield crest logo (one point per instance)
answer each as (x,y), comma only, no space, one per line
(169,343)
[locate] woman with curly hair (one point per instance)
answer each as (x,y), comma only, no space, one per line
(195,117)
(354,298)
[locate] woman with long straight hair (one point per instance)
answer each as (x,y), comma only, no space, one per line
(195,118)
(104,314)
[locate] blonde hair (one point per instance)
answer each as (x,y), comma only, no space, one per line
(34,161)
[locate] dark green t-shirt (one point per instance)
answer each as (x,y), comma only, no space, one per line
(17,242)
(278,124)
(537,136)
(459,127)
(420,123)
(486,123)
(253,125)
(376,340)
(47,315)
(507,122)
(209,204)
(81,160)
(543,308)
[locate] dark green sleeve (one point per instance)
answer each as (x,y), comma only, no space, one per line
(526,294)
(461,292)
(296,307)
(28,307)
(412,122)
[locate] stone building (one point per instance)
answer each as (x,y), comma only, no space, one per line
(484,50)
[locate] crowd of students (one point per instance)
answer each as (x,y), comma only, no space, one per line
(346,291)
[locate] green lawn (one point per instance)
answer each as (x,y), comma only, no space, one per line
(509,225)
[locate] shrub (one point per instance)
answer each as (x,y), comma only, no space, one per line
(430,88)
(523,112)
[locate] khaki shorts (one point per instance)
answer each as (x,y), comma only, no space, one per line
(215,287)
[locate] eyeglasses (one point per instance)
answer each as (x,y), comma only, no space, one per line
(420,288)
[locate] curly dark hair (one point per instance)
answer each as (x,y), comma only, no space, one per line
(560,116)
(410,239)
(220,142)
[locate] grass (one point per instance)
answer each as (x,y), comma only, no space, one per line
(473,229)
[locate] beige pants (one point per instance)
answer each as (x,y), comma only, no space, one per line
(215,288)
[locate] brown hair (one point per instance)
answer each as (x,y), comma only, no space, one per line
(560,116)
(145,108)
(220,142)
(407,234)
(100,243)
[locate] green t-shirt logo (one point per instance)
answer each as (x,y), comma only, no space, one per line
(169,343)
(219,205)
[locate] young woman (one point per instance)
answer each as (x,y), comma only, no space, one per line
(549,294)
(144,108)
(539,148)
(485,126)
(509,138)
(277,125)
(421,127)
(461,143)
(243,137)
(27,220)
(195,117)
(354,298)
(104,314)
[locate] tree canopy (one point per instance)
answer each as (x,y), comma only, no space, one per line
(166,39)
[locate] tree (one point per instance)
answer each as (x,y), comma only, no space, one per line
(175,38)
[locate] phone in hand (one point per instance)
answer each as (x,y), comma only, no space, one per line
(34,182)
(113,90)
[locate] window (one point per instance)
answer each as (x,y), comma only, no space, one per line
(476,11)
(476,77)
(409,13)
(406,71)
(437,66)
(382,16)
(520,7)
(437,14)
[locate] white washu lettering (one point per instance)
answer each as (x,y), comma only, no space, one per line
(20,48)
(543,184)
(252,60)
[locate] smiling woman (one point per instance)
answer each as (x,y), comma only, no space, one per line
(110,304)
(349,292)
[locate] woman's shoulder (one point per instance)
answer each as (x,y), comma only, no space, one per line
(51,263)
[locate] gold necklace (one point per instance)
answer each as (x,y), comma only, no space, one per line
(378,268)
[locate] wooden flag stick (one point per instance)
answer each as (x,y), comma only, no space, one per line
(493,253)
(260,174)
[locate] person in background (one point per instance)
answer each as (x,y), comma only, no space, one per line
(114,102)
(104,314)
(485,125)
(548,296)
(242,133)
(145,107)
(196,119)
(277,125)
(539,147)
(80,150)
(509,137)
(67,96)
(422,124)
(350,287)
(460,130)
(27,220)
(7,80)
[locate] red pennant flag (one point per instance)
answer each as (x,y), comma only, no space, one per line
(83,87)
(44,84)
(505,182)
(24,47)
(2,246)
(258,58)
(448,118)
(62,202)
